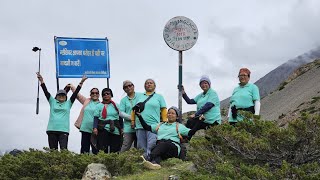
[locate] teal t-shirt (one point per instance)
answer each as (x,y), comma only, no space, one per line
(213,114)
(244,97)
(152,109)
(168,131)
(112,114)
(59,115)
(87,121)
(126,105)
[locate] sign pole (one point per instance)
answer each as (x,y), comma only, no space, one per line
(180,85)
(57,84)
(180,34)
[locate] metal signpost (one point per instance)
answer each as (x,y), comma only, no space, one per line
(180,33)
(76,57)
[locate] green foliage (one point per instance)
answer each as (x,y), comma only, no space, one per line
(224,112)
(251,149)
(282,85)
(315,99)
(51,164)
(255,149)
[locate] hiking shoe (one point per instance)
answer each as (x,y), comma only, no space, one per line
(150,165)
(143,159)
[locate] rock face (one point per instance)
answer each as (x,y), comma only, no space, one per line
(299,93)
(95,171)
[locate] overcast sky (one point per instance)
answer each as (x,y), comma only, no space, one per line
(259,35)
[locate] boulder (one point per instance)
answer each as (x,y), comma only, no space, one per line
(96,171)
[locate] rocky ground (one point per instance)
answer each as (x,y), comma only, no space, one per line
(300,93)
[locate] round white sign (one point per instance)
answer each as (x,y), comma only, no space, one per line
(180,33)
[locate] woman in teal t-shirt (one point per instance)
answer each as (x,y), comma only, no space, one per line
(169,135)
(208,106)
(154,108)
(84,121)
(245,97)
(59,121)
(107,125)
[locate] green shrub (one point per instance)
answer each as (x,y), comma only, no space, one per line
(255,149)
(52,164)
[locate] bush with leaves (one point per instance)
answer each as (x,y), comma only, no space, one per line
(257,149)
(52,164)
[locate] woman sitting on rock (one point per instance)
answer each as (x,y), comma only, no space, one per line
(169,135)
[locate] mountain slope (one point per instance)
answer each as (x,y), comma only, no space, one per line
(299,93)
(272,80)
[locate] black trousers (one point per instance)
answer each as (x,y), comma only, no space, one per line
(86,143)
(163,150)
(232,123)
(198,124)
(106,140)
(58,137)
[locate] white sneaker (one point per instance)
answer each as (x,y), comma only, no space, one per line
(150,165)
(142,157)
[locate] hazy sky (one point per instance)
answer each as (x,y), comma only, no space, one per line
(259,35)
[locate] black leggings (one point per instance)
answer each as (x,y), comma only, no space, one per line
(86,143)
(58,137)
(164,149)
(106,139)
(191,123)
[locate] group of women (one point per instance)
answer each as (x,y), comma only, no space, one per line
(142,119)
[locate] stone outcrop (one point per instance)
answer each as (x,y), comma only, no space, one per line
(95,171)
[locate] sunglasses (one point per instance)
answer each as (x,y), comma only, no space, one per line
(127,86)
(93,93)
(107,94)
(242,75)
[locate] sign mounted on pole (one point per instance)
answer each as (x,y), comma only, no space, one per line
(180,33)
(78,56)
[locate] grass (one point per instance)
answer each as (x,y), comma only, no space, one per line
(315,99)
(170,167)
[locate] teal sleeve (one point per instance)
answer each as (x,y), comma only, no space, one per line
(231,98)
(154,127)
(51,100)
(162,102)
(255,93)
(122,106)
(196,99)
(183,130)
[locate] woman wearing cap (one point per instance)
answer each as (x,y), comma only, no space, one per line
(208,106)
(244,97)
(84,121)
(169,135)
(126,105)
(108,126)
(154,107)
(59,121)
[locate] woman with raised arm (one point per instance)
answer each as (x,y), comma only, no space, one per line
(59,120)
(208,106)
(84,121)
